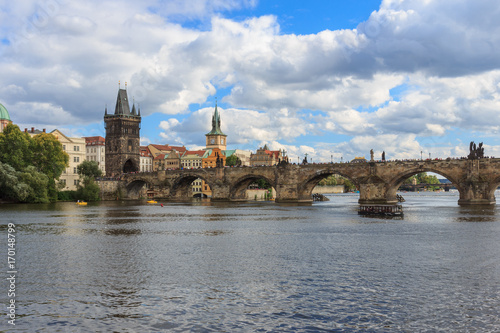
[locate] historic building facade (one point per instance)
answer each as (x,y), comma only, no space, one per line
(122,137)
(95,146)
(266,157)
(146,159)
(75,148)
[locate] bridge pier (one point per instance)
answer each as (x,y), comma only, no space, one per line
(290,193)
(477,193)
(375,194)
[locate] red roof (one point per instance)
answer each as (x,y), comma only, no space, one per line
(145,151)
(161,147)
(94,140)
(195,152)
(160,157)
(179,149)
(276,153)
(169,148)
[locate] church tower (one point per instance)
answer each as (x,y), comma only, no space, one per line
(215,138)
(122,137)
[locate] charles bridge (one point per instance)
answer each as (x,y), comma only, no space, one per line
(475,179)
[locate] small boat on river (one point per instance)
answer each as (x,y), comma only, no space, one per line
(152,201)
(81,203)
(384,210)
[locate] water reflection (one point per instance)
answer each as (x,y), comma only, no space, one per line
(239,267)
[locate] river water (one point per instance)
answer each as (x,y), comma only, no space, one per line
(254,267)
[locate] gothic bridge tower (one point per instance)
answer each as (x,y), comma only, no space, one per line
(122,137)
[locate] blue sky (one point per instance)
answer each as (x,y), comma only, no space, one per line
(332,79)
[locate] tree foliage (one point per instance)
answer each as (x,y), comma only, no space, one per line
(88,189)
(233,160)
(422,178)
(24,186)
(30,166)
(49,156)
(333,180)
(89,169)
(329,181)
(15,147)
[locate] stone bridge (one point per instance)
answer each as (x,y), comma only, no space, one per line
(476,180)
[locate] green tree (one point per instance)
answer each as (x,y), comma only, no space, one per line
(28,186)
(88,189)
(89,169)
(37,183)
(8,182)
(15,147)
(50,159)
(328,181)
(233,160)
(262,183)
(88,192)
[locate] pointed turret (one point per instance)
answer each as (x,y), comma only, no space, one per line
(106,110)
(122,106)
(133,110)
(216,123)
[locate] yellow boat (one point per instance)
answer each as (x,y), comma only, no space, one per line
(81,203)
(152,201)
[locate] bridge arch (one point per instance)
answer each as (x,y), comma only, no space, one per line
(239,187)
(307,187)
(136,188)
(397,181)
(493,187)
(181,186)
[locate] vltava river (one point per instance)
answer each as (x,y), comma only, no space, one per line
(254,267)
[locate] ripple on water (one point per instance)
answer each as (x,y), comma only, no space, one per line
(258,267)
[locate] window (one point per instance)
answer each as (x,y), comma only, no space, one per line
(75,182)
(64,147)
(74,170)
(76,159)
(76,148)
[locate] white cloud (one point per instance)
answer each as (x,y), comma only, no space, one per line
(65,59)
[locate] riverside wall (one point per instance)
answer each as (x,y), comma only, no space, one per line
(327,189)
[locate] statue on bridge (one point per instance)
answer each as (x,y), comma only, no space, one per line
(219,162)
(383,155)
(371,155)
(475,152)
(283,162)
(304,161)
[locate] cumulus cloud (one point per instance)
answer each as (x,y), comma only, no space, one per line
(413,71)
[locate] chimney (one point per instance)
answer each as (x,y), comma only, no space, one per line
(32,130)
(25,130)
(44,130)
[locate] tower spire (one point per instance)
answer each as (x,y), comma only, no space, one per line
(216,121)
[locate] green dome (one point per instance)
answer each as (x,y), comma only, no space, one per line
(4,114)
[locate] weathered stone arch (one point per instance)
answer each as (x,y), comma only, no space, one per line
(494,184)
(136,188)
(307,186)
(181,186)
(238,188)
(398,179)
